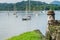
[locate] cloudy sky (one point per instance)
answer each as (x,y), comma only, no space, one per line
(14,1)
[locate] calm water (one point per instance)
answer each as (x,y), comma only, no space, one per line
(10,25)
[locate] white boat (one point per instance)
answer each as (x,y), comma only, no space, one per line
(26,18)
(36,14)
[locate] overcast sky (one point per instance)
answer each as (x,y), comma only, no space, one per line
(14,1)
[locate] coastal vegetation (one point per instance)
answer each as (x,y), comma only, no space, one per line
(34,5)
(31,35)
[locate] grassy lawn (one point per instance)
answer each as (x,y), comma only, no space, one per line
(32,35)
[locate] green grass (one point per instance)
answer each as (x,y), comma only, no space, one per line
(32,35)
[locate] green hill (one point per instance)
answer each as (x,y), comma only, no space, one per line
(20,5)
(32,35)
(34,6)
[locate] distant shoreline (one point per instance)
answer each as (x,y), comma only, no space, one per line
(39,10)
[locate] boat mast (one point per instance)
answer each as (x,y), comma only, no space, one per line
(37,5)
(14,9)
(29,5)
(8,10)
(26,8)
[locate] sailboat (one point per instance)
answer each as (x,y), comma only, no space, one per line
(14,10)
(44,11)
(36,13)
(8,11)
(27,17)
